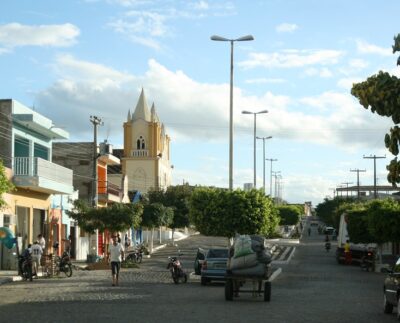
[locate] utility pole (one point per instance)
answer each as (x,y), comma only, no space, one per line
(263,139)
(374,157)
(358,179)
(347,188)
(270,183)
(275,174)
(96,121)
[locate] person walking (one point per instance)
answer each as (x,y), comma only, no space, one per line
(115,256)
(36,251)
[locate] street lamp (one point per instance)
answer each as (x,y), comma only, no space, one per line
(270,183)
(219,38)
(255,130)
(276,174)
(263,139)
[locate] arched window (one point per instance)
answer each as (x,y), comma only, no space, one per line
(140,143)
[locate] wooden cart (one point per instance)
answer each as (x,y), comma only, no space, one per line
(261,285)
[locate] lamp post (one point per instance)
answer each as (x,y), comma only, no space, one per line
(255,130)
(263,139)
(270,183)
(276,174)
(219,38)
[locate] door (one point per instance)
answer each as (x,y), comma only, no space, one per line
(72,233)
(38,223)
(22,227)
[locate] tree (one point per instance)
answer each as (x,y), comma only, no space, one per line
(177,197)
(116,217)
(219,212)
(384,220)
(156,215)
(326,210)
(381,93)
(288,214)
(357,226)
(5,185)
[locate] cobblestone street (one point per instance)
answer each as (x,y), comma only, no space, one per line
(312,288)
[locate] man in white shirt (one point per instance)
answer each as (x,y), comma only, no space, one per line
(42,241)
(115,256)
(36,252)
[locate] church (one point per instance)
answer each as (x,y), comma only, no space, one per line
(146,154)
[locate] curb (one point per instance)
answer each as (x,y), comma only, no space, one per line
(6,280)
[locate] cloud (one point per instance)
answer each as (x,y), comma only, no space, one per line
(365,48)
(329,118)
(129,3)
(16,35)
(323,72)
(94,75)
(286,28)
(201,5)
(264,80)
(151,24)
(347,83)
(358,64)
(292,58)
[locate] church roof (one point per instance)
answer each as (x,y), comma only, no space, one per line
(154,116)
(142,110)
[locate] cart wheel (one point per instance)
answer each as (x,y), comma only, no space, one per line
(267,291)
(229,290)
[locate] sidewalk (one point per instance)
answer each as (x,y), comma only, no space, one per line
(83,265)
(7,276)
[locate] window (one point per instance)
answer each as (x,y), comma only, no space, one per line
(41,152)
(140,143)
(21,147)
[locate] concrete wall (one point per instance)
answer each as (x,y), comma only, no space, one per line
(77,156)
(6,130)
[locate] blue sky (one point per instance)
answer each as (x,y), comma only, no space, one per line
(72,59)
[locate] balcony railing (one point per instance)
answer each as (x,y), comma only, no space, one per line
(106,187)
(35,172)
(108,191)
(140,153)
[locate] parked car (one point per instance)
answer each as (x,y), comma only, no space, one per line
(214,265)
(329,230)
(391,289)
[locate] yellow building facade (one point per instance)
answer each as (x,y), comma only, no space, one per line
(146,160)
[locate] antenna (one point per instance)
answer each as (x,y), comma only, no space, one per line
(108,131)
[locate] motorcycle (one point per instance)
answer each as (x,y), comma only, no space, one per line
(25,267)
(135,256)
(64,264)
(175,267)
(327,246)
(368,261)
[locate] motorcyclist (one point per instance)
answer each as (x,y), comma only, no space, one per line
(24,255)
(327,243)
